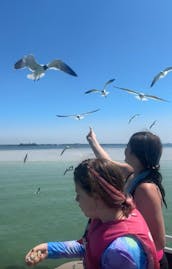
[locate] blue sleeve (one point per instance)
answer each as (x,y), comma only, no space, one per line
(124,253)
(68,249)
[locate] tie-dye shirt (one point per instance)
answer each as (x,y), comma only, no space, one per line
(125,252)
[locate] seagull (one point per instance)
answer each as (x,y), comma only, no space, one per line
(38,70)
(161,74)
(25,158)
(103,92)
(70,168)
(66,147)
(78,116)
(153,123)
(38,191)
(135,115)
(142,96)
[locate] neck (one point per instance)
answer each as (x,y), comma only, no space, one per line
(111,215)
(138,168)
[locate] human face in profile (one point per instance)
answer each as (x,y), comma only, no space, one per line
(127,153)
(86,202)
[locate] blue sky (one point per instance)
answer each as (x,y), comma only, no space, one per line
(100,40)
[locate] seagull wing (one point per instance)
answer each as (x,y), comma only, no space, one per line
(89,112)
(70,168)
(168,69)
(127,90)
(161,75)
(65,171)
(38,191)
(155,98)
(153,123)
(27,61)
(92,90)
(25,158)
(59,65)
(133,117)
(156,78)
(64,150)
(63,116)
(108,82)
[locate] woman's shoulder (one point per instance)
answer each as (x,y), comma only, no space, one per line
(147,187)
(147,192)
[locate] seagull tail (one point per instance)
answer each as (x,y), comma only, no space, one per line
(34,76)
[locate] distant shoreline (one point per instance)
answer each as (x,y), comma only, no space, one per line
(22,146)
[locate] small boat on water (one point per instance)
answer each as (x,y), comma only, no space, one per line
(79,265)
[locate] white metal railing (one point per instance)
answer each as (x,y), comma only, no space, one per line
(168,240)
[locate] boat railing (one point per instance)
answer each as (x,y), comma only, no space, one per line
(168,242)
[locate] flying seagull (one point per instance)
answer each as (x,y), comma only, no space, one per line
(142,96)
(70,168)
(38,191)
(103,92)
(38,70)
(153,123)
(135,115)
(161,74)
(25,158)
(78,116)
(66,147)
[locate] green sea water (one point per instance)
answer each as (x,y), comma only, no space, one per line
(27,219)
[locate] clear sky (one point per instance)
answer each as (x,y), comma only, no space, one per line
(130,41)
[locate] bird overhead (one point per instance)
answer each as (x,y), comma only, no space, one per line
(161,74)
(38,70)
(142,96)
(78,116)
(103,92)
(135,115)
(65,148)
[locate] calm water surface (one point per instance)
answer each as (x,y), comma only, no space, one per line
(27,219)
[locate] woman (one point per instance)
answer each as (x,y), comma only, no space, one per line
(141,168)
(117,235)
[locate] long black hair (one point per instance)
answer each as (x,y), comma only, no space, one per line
(147,147)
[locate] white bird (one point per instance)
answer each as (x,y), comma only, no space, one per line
(65,148)
(38,70)
(70,168)
(103,92)
(142,96)
(153,123)
(161,74)
(135,115)
(78,116)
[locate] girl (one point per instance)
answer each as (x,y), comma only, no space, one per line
(117,235)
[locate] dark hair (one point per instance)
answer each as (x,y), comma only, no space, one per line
(147,147)
(103,177)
